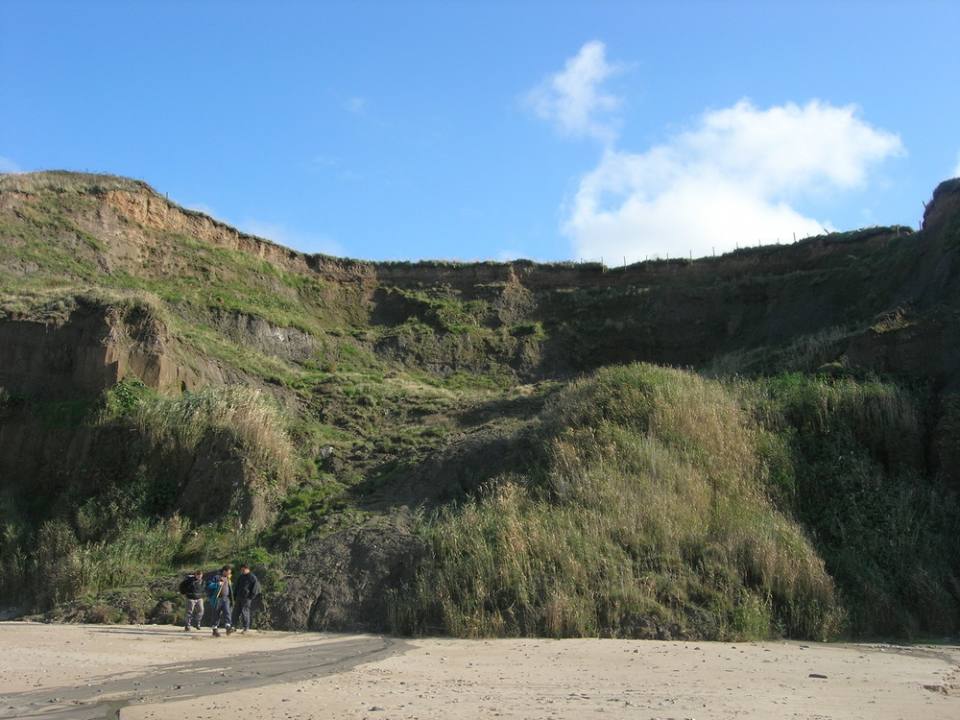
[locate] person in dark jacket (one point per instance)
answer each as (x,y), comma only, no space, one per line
(246,591)
(220,594)
(192,589)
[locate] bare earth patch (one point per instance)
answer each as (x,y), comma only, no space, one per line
(161,673)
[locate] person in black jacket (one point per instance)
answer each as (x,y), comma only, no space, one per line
(246,591)
(192,589)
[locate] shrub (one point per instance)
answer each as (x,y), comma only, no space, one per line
(136,551)
(57,566)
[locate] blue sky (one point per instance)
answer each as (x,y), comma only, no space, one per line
(494,130)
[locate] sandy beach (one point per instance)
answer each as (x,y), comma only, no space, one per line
(163,673)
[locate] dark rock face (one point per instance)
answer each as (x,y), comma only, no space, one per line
(82,354)
(944,207)
(673,312)
(283,342)
(927,346)
(163,613)
(91,348)
(343,581)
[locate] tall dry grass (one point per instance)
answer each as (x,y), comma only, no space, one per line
(647,516)
(246,414)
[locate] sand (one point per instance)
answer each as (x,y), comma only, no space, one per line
(161,673)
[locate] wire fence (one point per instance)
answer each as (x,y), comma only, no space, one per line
(625,260)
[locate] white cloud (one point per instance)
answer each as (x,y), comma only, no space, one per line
(573,99)
(304,242)
(8,166)
(956,170)
(732,179)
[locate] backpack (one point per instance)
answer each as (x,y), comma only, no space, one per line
(213,591)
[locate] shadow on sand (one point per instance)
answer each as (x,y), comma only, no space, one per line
(243,668)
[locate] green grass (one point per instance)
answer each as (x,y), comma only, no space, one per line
(889,533)
(644,512)
(113,572)
(63,568)
(192,280)
(211,277)
(657,502)
(125,526)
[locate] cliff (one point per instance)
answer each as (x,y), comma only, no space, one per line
(128,323)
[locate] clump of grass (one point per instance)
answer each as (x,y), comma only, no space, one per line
(533,330)
(63,568)
(806,353)
(247,415)
(879,417)
(892,322)
(445,310)
(139,549)
(644,514)
(63,181)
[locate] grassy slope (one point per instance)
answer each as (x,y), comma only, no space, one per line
(663,504)
(656,502)
(344,397)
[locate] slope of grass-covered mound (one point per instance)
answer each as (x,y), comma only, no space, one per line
(664,504)
(647,514)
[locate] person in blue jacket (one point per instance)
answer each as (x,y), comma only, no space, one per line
(220,595)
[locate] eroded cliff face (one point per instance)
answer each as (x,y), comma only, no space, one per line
(144,289)
(54,371)
(239,294)
(527,319)
(85,352)
(147,210)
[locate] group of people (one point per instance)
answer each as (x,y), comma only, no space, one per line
(230,602)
